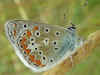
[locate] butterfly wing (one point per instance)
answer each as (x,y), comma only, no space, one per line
(40,46)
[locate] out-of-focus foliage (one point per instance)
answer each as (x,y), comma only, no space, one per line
(85,15)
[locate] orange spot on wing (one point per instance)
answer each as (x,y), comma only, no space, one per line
(38,62)
(32,58)
(23,40)
(24,46)
(36,27)
(15,33)
(29,34)
(27,51)
(42,65)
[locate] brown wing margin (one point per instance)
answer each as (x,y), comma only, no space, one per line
(92,42)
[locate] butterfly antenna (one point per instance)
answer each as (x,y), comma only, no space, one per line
(64,18)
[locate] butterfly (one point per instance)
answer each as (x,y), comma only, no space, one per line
(41,46)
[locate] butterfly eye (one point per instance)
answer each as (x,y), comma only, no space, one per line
(57,33)
(46,30)
(37,33)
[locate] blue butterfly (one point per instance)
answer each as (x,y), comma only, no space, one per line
(41,46)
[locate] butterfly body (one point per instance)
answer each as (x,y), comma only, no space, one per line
(40,46)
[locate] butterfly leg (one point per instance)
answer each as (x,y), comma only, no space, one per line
(71,59)
(81,44)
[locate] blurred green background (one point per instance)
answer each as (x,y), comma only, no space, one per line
(85,15)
